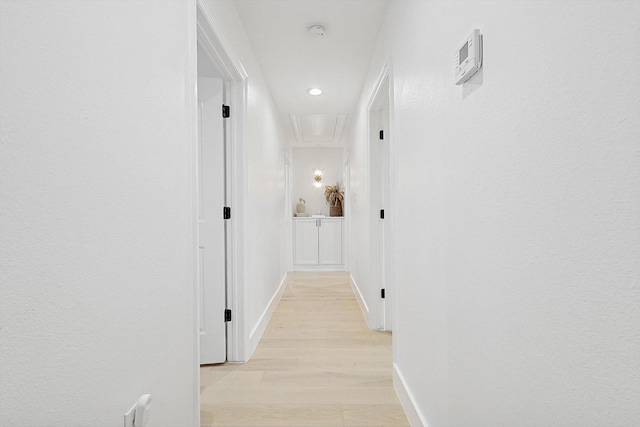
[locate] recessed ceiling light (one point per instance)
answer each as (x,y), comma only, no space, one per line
(314,91)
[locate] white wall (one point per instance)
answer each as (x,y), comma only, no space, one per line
(263,249)
(517,205)
(98,138)
(358,204)
(97,117)
(305,162)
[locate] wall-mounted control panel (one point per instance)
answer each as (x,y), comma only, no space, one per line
(468,57)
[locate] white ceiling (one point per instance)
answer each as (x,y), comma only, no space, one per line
(293,62)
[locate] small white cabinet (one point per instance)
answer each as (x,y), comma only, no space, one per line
(305,241)
(317,243)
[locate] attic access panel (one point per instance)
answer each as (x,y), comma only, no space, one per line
(318,128)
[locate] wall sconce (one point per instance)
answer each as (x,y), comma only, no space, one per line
(317,178)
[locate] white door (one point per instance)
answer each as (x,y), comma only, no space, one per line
(329,241)
(305,241)
(385,158)
(381,209)
(211,227)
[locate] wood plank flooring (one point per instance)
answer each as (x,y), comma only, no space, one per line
(317,365)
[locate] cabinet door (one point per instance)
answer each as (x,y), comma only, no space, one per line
(330,242)
(305,242)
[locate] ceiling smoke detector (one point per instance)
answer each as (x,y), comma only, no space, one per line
(316,31)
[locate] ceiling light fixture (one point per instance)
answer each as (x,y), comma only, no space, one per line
(316,31)
(314,91)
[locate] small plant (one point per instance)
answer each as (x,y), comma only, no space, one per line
(334,194)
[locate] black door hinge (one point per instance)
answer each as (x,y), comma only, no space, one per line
(227,315)
(225,111)
(382,294)
(381,135)
(226,212)
(381,213)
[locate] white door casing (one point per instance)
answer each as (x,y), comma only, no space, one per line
(211,227)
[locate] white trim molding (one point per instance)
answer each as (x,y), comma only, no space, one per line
(261,326)
(407,400)
(361,301)
(191,116)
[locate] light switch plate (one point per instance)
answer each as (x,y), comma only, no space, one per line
(130,416)
(142,411)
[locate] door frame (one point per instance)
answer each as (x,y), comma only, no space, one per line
(381,264)
(209,36)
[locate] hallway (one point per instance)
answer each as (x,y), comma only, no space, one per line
(513,212)
(317,365)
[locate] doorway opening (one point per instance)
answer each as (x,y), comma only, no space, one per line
(381,206)
(221,82)
(211,202)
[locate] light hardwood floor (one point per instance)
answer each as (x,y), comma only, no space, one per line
(317,365)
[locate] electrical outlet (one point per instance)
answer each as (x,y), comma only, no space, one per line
(129,416)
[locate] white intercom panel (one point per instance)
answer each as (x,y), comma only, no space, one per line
(468,58)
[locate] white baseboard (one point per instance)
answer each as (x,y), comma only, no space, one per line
(258,331)
(408,402)
(316,267)
(361,302)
